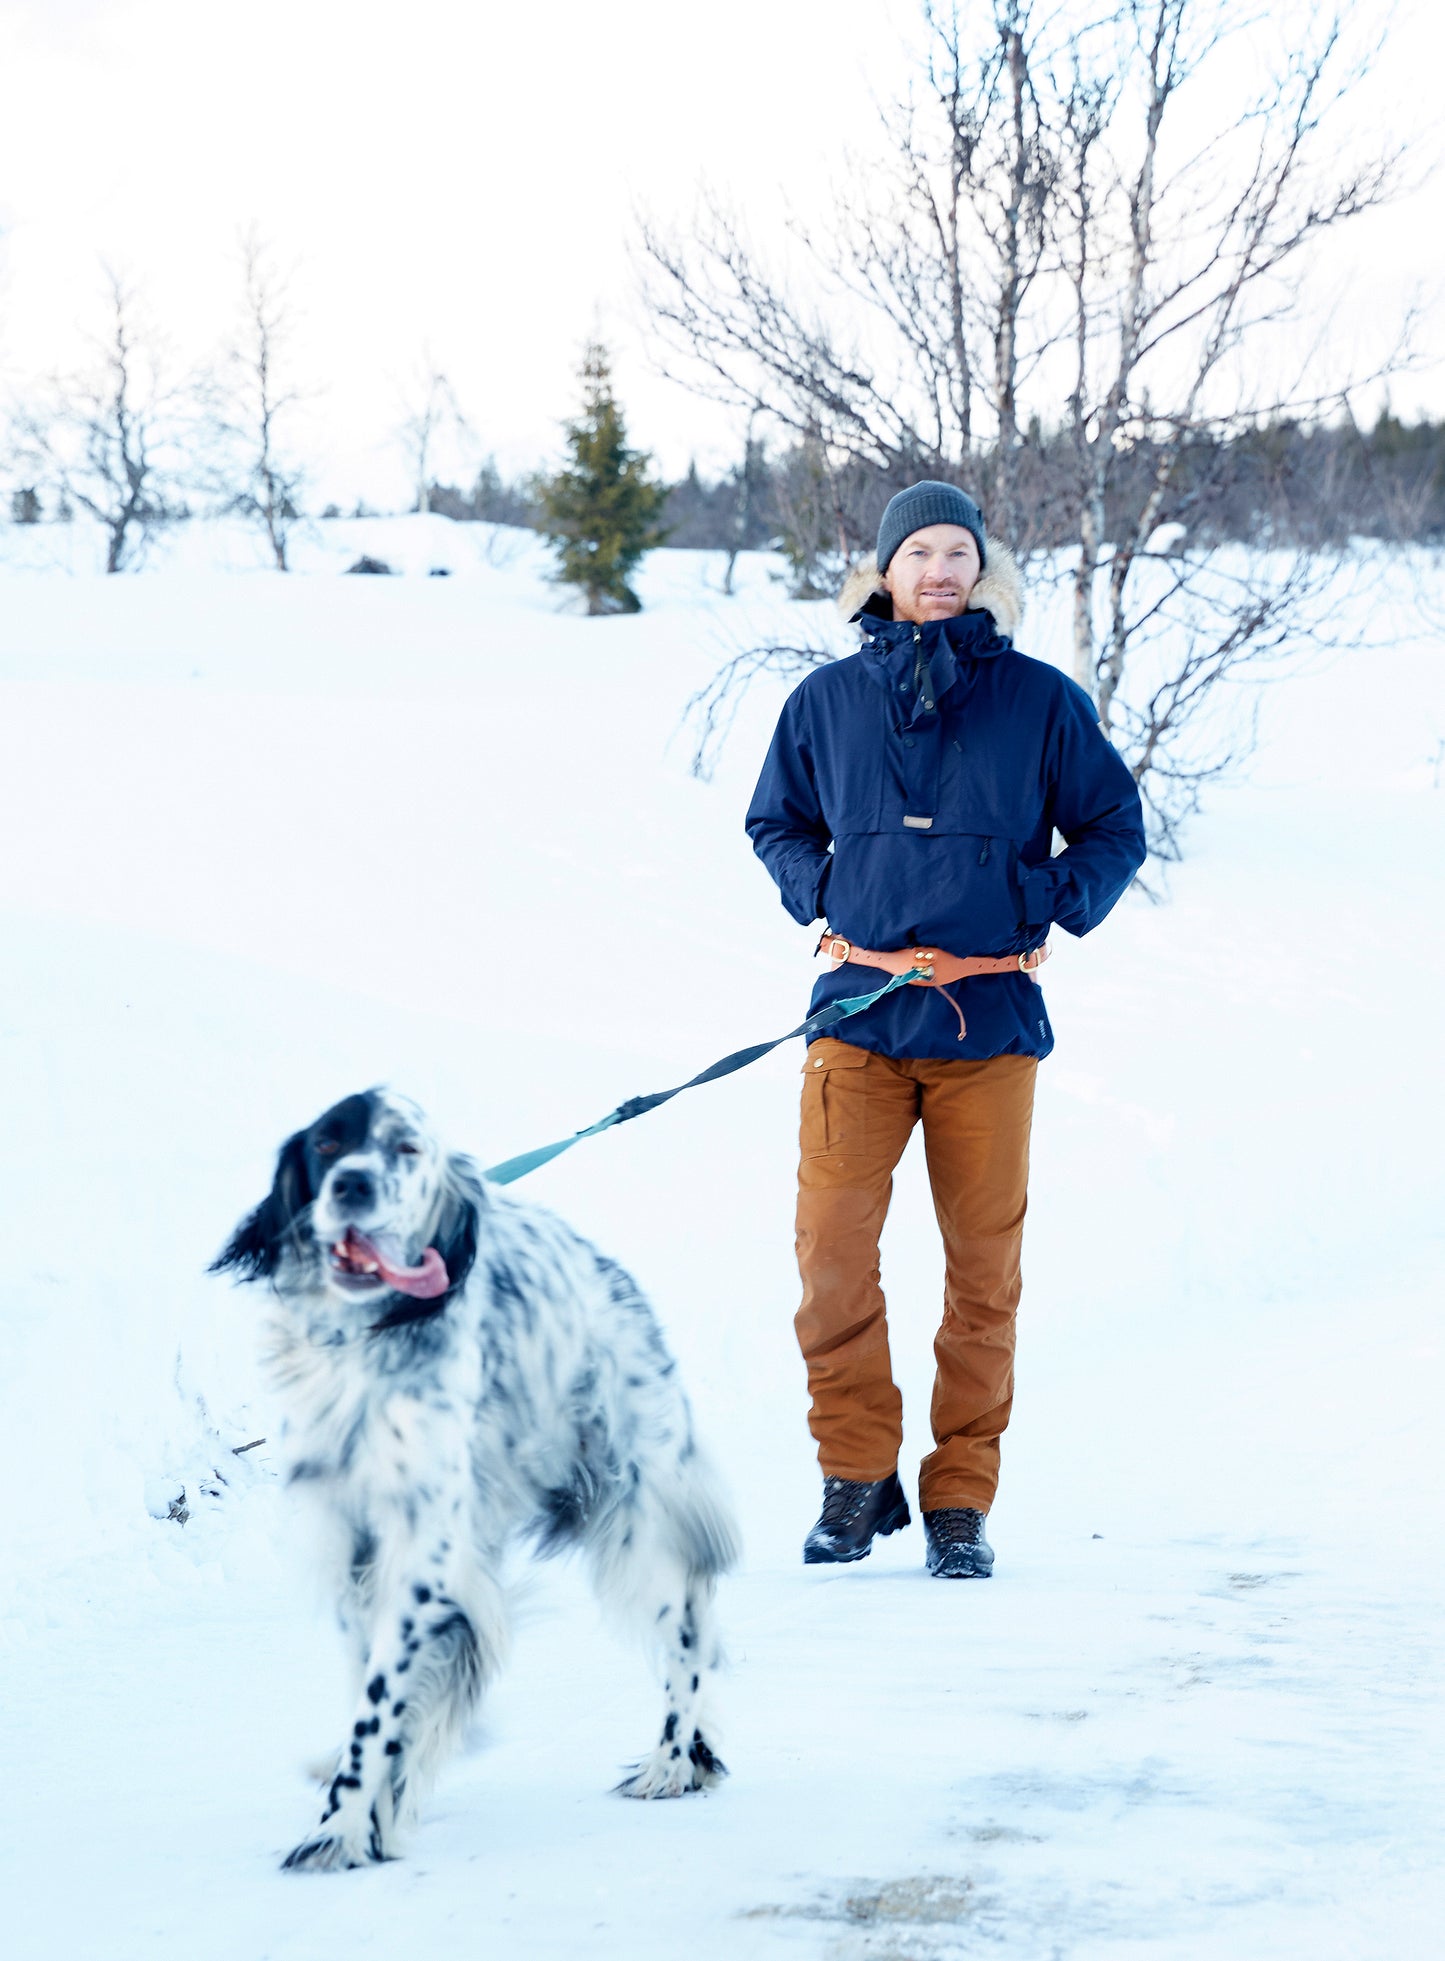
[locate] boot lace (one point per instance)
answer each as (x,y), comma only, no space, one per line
(958,1525)
(844,1501)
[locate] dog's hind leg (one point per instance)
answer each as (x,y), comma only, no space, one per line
(439,1633)
(667,1603)
(684,1759)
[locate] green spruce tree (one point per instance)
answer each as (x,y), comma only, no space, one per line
(602,510)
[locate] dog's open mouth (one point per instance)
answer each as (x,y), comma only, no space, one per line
(362,1263)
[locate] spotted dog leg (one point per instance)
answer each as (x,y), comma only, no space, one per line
(684,1759)
(429,1661)
(355,1610)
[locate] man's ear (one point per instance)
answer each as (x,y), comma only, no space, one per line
(255,1247)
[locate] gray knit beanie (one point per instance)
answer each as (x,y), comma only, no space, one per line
(928,503)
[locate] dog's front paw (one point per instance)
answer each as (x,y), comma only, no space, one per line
(330,1849)
(671,1771)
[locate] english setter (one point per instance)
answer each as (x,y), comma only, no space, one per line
(457,1367)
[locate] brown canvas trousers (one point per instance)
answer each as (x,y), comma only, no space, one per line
(859,1110)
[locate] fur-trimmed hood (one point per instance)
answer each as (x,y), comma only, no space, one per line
(999,590)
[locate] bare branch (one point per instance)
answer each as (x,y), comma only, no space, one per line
(713,709)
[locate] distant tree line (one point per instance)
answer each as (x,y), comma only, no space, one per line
(1284,484)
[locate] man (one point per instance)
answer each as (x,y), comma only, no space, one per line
(911,796)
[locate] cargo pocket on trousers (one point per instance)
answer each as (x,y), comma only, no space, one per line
(835,1100)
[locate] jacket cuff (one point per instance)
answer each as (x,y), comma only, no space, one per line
(801,886)
(1036,883)
(822,885)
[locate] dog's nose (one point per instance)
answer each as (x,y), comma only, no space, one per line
(353,1188)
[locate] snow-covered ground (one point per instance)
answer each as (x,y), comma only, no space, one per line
(270,840)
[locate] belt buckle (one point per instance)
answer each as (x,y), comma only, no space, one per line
(839,959)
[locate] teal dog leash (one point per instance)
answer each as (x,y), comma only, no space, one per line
(637,1106)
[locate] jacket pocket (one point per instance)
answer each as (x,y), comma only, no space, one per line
(1037,892)
(982,892)
(1016,888)
(835,1100)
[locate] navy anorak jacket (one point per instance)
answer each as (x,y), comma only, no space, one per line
(911,796)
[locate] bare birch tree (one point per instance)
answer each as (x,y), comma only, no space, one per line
(1051,231)
(108,437)
(747,493)
(431,412)
(258,400)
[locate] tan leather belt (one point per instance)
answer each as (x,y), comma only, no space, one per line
(936,968)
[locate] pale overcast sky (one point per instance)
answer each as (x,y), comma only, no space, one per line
(460,176)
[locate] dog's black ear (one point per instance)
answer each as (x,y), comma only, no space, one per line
(256,1245)
(459,1232)
(456,1239)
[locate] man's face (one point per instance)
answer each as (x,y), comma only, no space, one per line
(932,573)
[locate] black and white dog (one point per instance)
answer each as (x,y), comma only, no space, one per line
(458,1367)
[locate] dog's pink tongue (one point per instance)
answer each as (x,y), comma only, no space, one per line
(422,1282)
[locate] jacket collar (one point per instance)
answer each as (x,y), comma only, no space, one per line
(888,643)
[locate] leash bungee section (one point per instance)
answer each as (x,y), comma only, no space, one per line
(637,1106)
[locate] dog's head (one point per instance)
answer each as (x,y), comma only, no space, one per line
(367,1204)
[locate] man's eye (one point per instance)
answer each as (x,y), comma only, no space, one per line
(407,1151)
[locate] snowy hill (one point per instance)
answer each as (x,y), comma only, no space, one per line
(272,840)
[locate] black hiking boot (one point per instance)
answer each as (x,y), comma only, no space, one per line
(957,1549)
(853,1516)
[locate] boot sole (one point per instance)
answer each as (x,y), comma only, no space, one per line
(895,1522)
(971,1572)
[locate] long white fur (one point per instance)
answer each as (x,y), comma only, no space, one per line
(541,1398)
(998,590)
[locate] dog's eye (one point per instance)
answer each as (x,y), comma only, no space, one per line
(408,1151)
(328,1149)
